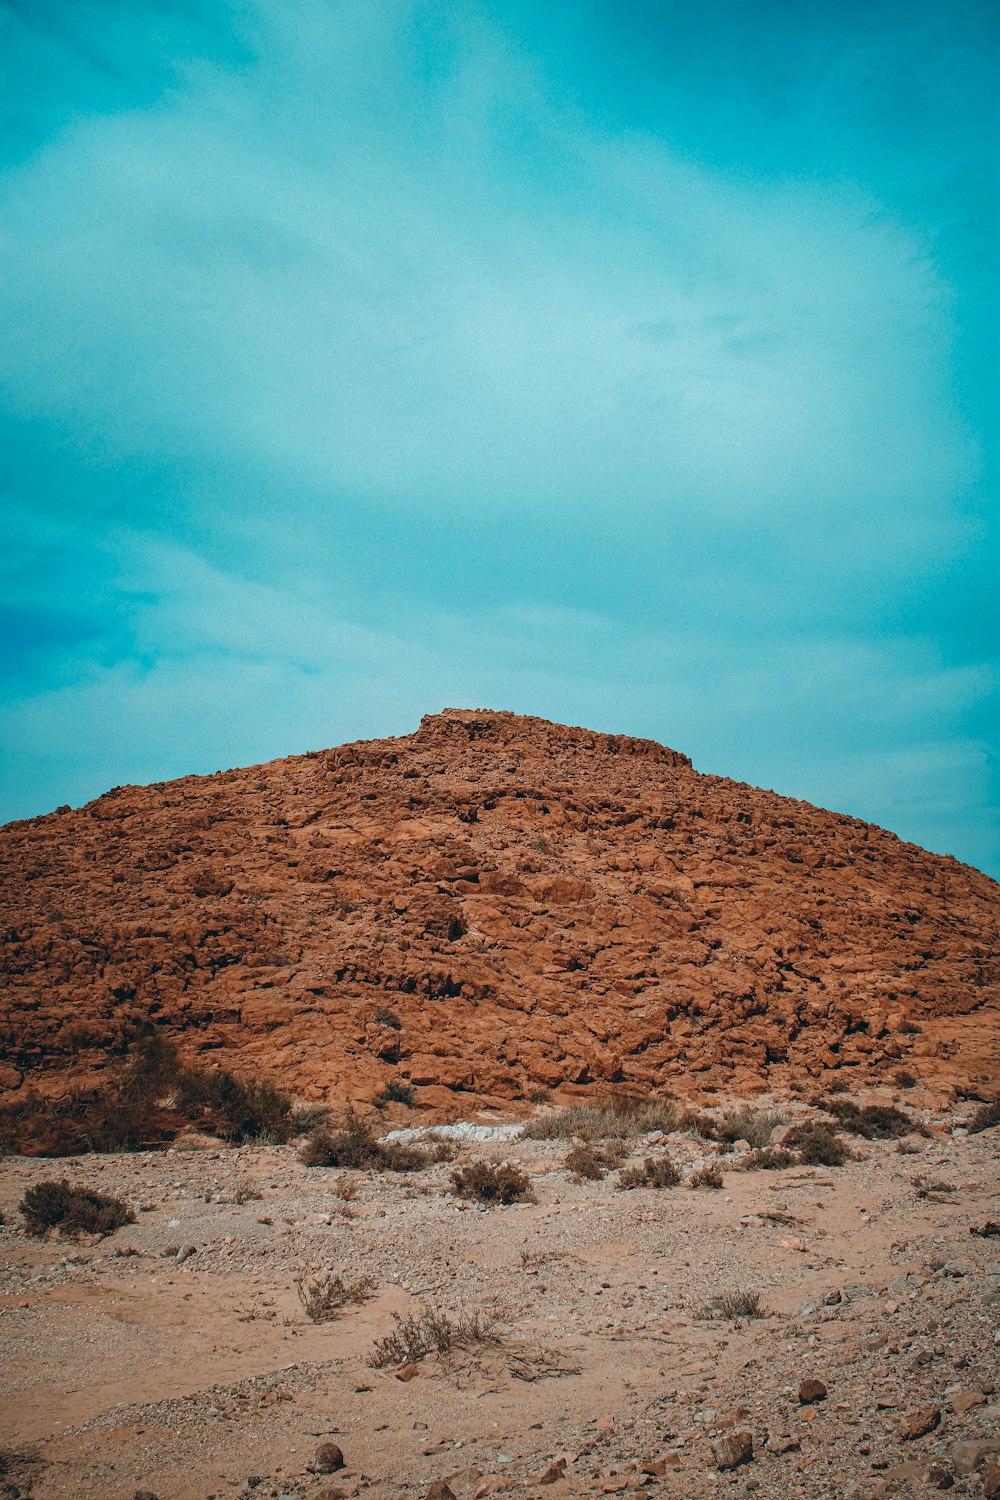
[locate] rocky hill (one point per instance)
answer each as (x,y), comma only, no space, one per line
(492,906)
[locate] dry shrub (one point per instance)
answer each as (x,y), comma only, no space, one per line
(355,1147)
(698,1123)
(707,1176)
(874,1122)
(385,1016)
(245,1189)
(489,1183)
(904,1079)
(771,1159)
(150,1101)
(817,1145)
(586,1164)
(345,1188)
(986,1116)
(396,1091)
(431,1332)
(751,1125)
(622,1117)
(57,1205)
(325,1294)
(742,1302)
(655,1172)
(309,1117)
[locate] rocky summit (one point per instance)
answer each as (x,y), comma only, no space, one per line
(490,907)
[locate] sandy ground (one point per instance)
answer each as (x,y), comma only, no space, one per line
(127,1368)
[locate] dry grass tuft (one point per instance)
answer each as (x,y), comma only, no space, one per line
(655,1172)
(487,1183)
(623,1117)
(431,1332)
(355,1147)
(325,1294)
(742,1302)
(707,1176)
(57,1205)
(751,1125)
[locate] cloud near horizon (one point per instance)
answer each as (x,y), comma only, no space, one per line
(362,359)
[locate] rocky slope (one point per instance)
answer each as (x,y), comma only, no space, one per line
(490,906)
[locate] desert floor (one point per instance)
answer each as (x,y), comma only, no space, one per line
(175,1358)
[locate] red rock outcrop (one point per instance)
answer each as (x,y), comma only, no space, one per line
(492,905)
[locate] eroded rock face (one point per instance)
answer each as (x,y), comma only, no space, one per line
(488,906)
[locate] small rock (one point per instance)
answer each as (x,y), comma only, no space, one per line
(966,1400)
(967,1455)
(732,1449)
(810,1391)
(605,1424)
(555,1471)
(440,1490)
(407,1372)
(991,1482)
(144,1495)
(783,1444)
(916,1423)
(657,1467)
(328,1459)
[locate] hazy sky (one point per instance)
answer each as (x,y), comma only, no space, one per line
(633,364)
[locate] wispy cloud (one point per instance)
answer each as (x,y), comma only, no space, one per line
(361,358)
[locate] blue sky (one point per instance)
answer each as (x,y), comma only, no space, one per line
(632,365)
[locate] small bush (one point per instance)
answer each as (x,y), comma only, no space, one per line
(623,1117)
(655,1172)
(707,1176)
(699,1124)
(57,1205)
(487,1183)
(985,1117)
(245,1189)
(396,1091)
(584,1164)
(309,1117)
(903,1079)
(874,1122)
(751,1125)
(234,1108)
(817,1146)
(356,1148)
(387,1017)
(740,1303)
(324,1295)
(431,1332)
(771,1159)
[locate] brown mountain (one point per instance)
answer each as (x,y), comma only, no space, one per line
(492,905)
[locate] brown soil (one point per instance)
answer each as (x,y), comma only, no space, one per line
(130,1367)
(488,907)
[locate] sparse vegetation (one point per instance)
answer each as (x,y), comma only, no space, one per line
(770,1159)
(709,1175)
(751,1125)
(875,1122)
(431,1332)
(586,1163)
(324,1295)
(492,1183)
(904,1079)
(817,1145)
(245,1189)
(308,1117)
(742,1302)
(71,1210)
(153,1098)
(655,1172)
(385,1016)
(985,1118)
(396,1091)
(622,1117)
(355,1147)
